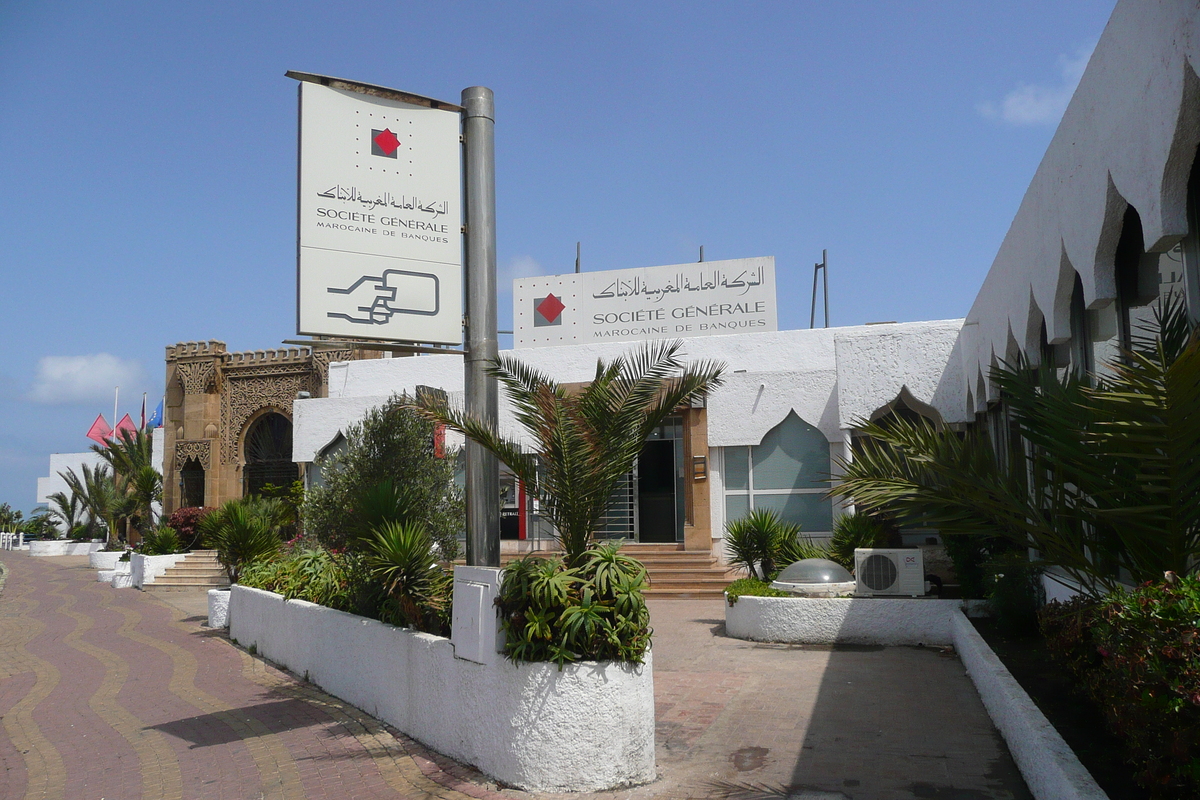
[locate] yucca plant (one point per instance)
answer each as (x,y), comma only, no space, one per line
(162,541)
(418,590)
(1099,479)
(585,441)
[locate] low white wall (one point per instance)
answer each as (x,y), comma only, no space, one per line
(1048,764)
(146,568)
(104,559)
(841,620)
(63,547)
(588,727)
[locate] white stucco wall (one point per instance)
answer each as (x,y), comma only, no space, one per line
(588,727)
(63,547)
(842,620)
(768,375)
(146,568)
(1127,137)
(62,462)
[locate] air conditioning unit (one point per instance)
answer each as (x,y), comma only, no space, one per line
(880,571)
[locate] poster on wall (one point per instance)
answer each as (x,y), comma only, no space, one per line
(379,214)
(680,301)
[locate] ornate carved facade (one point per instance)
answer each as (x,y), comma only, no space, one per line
(214,398)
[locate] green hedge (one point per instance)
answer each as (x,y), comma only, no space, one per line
(1137,655)
(751,587)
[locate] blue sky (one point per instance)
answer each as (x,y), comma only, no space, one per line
(147,160)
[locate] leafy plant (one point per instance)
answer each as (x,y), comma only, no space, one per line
(762,543)
(304,573)
(851,531)
(585,440)
(1015,593)
(162,541)
(292,499)
(1137,655)
(750,587)
(395,445)
(418,590)
(593,612)
(1098,480)
(243,531)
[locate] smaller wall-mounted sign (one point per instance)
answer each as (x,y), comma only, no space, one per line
(708,298)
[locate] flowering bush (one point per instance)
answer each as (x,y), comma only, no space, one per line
(1137,654)
(185,522)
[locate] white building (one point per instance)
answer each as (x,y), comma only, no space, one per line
(1109,222)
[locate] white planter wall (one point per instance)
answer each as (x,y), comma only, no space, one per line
(588,727)
(841,620)
(63,547)
(104,559)
(218,608)
(146,568)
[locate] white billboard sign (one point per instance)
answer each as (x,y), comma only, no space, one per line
(674,302)
(380,216)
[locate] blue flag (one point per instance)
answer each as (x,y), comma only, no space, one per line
(156,419)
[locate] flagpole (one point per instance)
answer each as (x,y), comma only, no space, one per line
(116,394)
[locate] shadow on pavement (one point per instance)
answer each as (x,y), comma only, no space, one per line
(206,730)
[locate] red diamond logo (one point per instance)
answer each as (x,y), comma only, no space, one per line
(550,308)
(386,141)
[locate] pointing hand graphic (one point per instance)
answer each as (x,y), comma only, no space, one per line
(373,299)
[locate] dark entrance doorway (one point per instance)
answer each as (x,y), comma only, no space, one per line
(191,484)
(660,484)
(268,452)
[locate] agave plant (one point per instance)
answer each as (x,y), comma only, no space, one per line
(586,441)
(1100,479)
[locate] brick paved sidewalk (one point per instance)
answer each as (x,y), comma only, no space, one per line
(116,694)
(108,693)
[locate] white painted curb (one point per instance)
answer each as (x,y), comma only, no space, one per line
(105,559)
(588,727)
(1048,764)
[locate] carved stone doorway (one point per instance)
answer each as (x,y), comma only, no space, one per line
(268,454)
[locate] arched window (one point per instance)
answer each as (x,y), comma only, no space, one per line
(191,484)
(788,473)
(268,451)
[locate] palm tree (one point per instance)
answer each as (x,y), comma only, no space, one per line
(586,441)
(103,495)
(1100,479)
(130,455)
(69,511)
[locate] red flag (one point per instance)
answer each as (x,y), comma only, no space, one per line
(124,428)
(143,425)
(99,430)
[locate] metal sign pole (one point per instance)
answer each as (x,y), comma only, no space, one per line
(483,471)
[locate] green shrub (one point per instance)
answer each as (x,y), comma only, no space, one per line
(392,444)
(851,531)
(1137,655)
(162,541)
(751,587)
(763,544)
(304,573)
(1015,593)
(186,523)
(594,612)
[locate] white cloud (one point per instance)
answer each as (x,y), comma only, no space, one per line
(1037,104)
(518,267)
(82,379)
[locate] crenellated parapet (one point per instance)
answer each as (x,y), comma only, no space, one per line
(188,350)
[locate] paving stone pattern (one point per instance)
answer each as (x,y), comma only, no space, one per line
(119,694)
